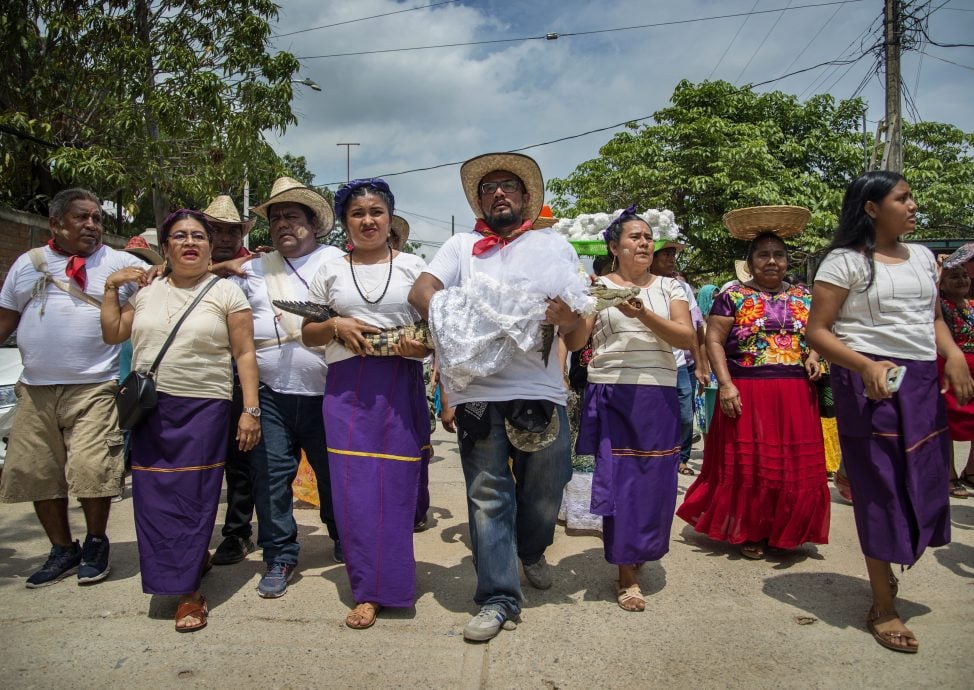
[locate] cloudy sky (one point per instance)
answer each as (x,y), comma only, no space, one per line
(421,108)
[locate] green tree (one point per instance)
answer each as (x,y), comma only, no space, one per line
(717,147)
(162,102)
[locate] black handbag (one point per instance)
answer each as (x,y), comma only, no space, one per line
(136,395)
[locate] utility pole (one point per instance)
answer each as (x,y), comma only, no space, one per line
(894,133)
(348,160)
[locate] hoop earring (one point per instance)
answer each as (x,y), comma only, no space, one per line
(615,263)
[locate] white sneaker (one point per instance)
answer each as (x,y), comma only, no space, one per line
(487,624)
(538,574)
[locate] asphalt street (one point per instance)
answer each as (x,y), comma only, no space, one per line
(713,619)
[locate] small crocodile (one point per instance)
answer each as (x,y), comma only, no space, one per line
(383,341)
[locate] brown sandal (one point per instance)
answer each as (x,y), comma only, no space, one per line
(366,613)
(890,639)
(753,550)
(192,609)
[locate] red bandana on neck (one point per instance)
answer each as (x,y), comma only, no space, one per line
(491,239)
(76,264)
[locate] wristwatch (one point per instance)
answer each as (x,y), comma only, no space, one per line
(252,411)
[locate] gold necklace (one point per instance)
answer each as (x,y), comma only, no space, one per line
(170,313)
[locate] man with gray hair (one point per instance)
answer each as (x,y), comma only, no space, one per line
(65,438)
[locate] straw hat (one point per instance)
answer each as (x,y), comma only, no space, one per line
(525,167)
(223,211)
(400,229)
(546,219)
(660,245)
(140,248)
(740,268)
(783,221)
(287,189)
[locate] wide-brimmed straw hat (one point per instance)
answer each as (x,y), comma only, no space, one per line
(525,167)
(400,228)
(546,219)
(223,211)
(660,245)
(140,248)
(783,221)
(287,189)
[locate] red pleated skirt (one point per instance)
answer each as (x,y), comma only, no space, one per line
(763,474)
(960,420)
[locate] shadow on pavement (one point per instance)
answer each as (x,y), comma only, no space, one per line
(841,601)
(957,558)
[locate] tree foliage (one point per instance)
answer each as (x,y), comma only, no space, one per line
(160,101)
(718,147)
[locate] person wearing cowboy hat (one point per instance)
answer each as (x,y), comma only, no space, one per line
(691,364)
(228,229)
(512,511)
(228,256)
(292,375)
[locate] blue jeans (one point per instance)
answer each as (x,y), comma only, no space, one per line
(512,515)
(685,383)
(288,425)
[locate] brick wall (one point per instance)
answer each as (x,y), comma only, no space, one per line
(20,231)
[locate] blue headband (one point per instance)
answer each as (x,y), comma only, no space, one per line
(344,193)
(627,214)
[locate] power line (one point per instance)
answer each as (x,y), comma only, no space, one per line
(733,40)
(848,50)
(554,35)
(937,57)
(807,69)
(763,41)
(817,34)
(362,19)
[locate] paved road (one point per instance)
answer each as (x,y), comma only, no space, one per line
(713,619)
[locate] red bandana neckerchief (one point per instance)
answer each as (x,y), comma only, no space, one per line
(76,264)
(491,240)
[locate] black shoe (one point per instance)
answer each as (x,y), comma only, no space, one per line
(338,554)
(233,549)
(95,555)
(61,562)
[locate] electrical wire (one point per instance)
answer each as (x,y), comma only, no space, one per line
(951,62)
(555,35)
(813,39)
(763,41)
(738,33)
(362,19)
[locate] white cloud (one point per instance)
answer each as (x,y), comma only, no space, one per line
(419,108)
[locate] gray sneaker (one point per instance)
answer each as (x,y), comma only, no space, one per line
(486,624)
(538,574)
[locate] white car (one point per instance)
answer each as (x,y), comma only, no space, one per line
(10,368)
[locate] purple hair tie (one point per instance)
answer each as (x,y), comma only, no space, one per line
(626,214)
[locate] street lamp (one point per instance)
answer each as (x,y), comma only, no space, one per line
(309,82)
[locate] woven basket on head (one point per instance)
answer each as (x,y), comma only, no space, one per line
(783,221)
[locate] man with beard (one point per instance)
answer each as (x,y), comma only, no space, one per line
(65,438)
(512,505)
(292,376)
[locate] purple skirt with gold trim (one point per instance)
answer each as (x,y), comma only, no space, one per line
(895,453)
(634,433)
(378,431)
(178,456)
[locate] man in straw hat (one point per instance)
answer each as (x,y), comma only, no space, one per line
(512,511)
(690,364)
(229,229)
(65,438)
(292,376)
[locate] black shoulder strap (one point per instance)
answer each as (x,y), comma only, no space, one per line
(172,334)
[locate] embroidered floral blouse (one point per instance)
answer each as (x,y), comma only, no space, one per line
(767,338)
(959,317)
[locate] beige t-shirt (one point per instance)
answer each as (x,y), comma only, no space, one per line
(624,350)
(197,364)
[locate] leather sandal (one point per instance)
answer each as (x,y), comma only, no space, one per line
(889,638)
(631,599)
(753,550)
(192,609)
(957,489)
(362,616)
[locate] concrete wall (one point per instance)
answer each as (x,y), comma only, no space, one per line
(20,231)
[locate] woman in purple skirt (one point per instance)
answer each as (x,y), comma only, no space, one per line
(179,450)
(376,417)
(875,316)
(631,414)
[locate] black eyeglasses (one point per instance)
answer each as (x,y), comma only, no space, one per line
(508,186)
